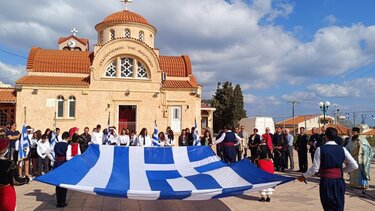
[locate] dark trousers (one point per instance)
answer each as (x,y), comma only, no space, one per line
(219,151)
(239,154)
(245,152)
(43,164)
(332,194)
(229,154)
(302,160)
(61,195)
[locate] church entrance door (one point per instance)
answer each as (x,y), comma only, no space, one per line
(127,117)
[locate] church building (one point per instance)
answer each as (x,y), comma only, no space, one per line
(123,81)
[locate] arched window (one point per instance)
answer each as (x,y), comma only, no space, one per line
(112,34)
(72,107)
(141,71)
(127,33)
(127,68)
(141,36)
(111,69)
(60,106)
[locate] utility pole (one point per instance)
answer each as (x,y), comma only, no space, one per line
(293,108)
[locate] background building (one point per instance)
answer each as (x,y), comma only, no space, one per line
(124,81)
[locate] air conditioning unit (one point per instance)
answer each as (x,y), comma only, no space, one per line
(163,76)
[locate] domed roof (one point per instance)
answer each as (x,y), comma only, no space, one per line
(123,17)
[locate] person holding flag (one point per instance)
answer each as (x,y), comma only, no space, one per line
(230,141)
(23,148)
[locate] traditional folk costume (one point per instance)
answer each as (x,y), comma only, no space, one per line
(229,140)
(328,161)
(362,153)
(72,150)
(8,174)
(60,153)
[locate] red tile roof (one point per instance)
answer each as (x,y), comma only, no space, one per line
(297,120)
(54,81)
(83,41)
(370,132)
(176,66)
(177,84)
(43,60)
(8,95)
(124,17)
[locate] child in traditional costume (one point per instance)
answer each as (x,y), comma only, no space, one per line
(8,174)
(265,162)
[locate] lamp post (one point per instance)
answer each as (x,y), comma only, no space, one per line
(324,108)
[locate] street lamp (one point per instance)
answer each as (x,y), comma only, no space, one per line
(324,107)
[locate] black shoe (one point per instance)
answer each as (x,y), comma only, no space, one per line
(268,199)
(262,199)
(62,205)
(282,170)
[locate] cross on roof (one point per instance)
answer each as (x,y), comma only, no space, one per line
(127,3)
(74,31)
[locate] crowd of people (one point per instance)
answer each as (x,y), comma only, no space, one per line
(270,152)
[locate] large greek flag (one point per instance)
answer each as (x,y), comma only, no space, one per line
(155,173)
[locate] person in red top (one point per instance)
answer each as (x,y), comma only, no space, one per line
(73,147)
(268,137)
(8,174)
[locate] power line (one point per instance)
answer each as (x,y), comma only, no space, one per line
(13,54)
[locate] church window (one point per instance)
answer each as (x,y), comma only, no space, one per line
(112,34)
(141,36)
(111,70)
(72,106)
(141,72)
(60,106)
(127,68)
(127,33)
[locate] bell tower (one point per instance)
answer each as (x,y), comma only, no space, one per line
(73,43)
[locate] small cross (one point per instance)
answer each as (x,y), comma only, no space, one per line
(126,3)
(74,31)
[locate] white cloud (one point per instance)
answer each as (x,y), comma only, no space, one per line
(8,73)
(330,20)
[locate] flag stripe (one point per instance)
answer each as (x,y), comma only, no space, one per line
(120,174)
(182,162)
(97,176)
(138,178)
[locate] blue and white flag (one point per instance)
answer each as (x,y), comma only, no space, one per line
(52,146)
(189,173)
(155,138)
(197,141)
(23,144)
(108,137)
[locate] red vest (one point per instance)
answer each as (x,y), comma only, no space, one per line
(74,149)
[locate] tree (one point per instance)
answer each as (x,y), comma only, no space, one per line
(238,105)
(228,102)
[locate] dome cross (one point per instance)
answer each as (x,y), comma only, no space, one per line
(127,3)
(74,31)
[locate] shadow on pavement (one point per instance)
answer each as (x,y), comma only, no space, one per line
(82,201)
